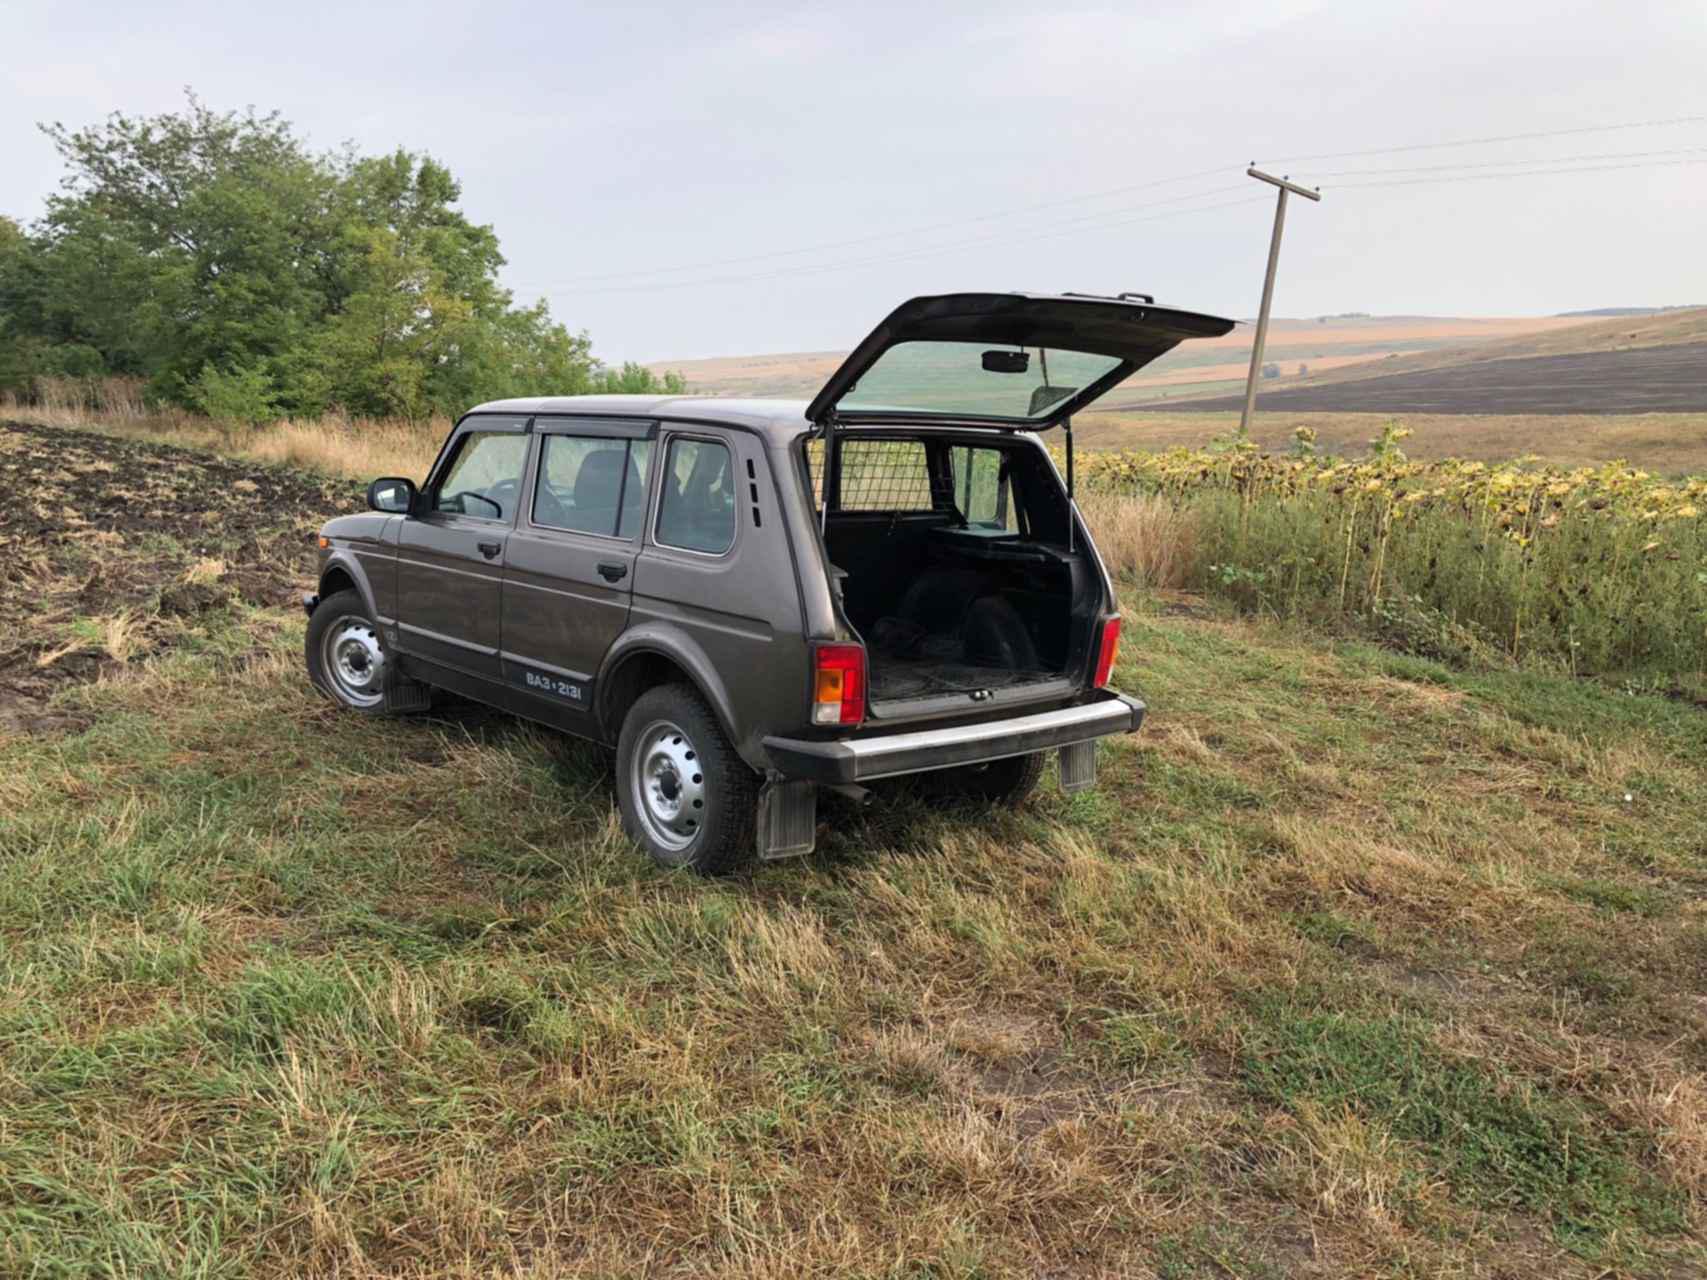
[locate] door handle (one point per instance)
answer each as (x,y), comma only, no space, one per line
(490,549)
(613,572)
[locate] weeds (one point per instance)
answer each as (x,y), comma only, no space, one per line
(1594,570)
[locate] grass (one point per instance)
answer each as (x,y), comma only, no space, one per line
(1355,963)
(360,448)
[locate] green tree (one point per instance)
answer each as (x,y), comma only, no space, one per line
(215,255)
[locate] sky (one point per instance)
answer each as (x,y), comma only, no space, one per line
(704,179)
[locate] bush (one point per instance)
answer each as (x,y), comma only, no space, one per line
(242,395)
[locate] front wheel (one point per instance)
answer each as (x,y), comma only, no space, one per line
(1000,782)
(345,658)
(685,796)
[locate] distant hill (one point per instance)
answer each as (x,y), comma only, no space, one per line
(1631,311)
(1205,366)
(1648,362)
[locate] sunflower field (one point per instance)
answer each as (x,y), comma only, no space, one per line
(1598,570)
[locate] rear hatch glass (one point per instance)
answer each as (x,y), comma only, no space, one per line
(1001,359)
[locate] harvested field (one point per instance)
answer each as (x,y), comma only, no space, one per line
(110,550)
(1664,443)
(1645,380)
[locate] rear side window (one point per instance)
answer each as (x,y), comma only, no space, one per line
(591,485)
(884,475)
(696,509)
(981,489)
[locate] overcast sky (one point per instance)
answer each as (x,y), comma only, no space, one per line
(607,142)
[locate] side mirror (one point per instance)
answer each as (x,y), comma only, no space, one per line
(392,495)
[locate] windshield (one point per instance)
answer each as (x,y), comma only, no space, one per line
(975,379)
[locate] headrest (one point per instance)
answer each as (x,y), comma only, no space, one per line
(601,474)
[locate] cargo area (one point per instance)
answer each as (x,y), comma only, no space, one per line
(951,562)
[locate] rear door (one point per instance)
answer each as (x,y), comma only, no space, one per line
(450,558)
(569,565)
(1017,360)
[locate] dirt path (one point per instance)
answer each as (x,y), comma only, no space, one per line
(110,550)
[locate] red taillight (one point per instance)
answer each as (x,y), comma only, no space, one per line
(838,684)
(1107,646)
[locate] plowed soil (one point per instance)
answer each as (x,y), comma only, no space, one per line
(1669,379)
(112,550)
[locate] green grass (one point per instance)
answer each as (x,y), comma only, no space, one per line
(1500,1143)
(1353,963)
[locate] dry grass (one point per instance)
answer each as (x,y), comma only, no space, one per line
(1352,964)
(298,993)
(361,448)
(1145,539)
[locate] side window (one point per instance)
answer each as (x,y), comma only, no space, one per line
(591,485)
(981,488)
(485,477)
(696,510)
(884,475)
(633,513)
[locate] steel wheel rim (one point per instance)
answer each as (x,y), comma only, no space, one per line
(354,663)
(667,782)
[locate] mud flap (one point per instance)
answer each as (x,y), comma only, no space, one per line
(404,696)
(1079,766)
(788,819)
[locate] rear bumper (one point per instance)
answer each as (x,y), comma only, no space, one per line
(865,758)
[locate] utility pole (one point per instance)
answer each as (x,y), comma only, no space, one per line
(1268,286)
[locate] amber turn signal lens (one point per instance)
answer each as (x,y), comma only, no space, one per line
(838,684)
(325,543)
(829,685)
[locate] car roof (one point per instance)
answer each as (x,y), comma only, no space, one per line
(779,420)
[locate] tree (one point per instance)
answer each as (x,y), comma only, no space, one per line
(215,255)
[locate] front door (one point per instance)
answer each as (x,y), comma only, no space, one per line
(569,565)
(450,558)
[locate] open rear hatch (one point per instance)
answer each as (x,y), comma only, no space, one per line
(956,554)
(1016,360)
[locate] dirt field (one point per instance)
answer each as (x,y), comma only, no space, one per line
(110,550)
(1644,380)
(1664,443)
(1321,344)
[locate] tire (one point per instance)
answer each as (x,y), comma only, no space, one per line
(1005,783)
(684,794)
(345,659)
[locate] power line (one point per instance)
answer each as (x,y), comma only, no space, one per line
(1477,142)
(1527,173)
(647,273)
(1502,164)
(957,243)
(907,231)
(908,255)
(1104,222)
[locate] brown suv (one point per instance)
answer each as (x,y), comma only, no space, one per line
(755,599)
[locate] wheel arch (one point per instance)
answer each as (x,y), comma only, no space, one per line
(648,658)
(341,573)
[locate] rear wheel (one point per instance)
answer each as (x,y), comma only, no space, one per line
(344,655)
(685,796)
(1000,782)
